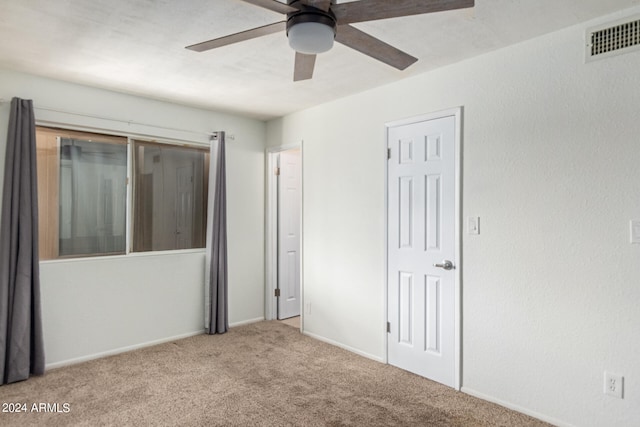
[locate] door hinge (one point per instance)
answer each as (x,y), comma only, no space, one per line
(277,171)
(388,153)
(388,327)
(277,292)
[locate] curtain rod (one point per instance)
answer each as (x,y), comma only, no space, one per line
(112,119)
(128,122)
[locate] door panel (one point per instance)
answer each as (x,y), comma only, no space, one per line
(432,306)
(405,293)
(433,209)
(406,212)
(421,227)
(289,210)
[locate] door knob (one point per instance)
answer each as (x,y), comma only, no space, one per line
(446,264)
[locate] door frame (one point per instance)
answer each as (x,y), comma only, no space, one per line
(271,232)
(457,114)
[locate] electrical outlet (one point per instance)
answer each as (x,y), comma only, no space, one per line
(307,308)
(613,384)
(635,231)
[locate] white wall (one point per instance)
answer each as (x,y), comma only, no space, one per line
(102,305)
(550,164)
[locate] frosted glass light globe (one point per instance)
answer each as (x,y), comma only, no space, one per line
(311,37)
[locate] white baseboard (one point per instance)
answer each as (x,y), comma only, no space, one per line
(517,408)
(345,347)
(119,350)
(246,322)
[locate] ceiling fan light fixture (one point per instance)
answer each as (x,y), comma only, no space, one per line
(310,30)
(311,37)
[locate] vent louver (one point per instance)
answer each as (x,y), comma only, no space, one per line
(613,39)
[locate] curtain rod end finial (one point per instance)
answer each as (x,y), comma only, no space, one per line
(214,136)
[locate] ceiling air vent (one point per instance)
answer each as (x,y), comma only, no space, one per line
(613,38)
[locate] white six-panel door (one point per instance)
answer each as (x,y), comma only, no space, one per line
(289,199)
(421,234)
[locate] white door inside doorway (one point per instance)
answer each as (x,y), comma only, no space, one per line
(289,242)
(423,248)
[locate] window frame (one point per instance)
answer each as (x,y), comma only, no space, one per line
(133,157)
(129,140)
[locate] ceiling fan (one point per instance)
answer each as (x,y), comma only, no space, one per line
(313,25)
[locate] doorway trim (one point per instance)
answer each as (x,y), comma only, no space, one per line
(271,232)
(457,113)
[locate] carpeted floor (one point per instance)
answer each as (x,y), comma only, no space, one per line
(264,374)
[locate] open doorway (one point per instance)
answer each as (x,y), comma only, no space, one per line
(283,291)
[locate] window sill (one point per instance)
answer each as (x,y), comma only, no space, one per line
(125,256)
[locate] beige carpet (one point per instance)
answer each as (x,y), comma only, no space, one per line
(264,374)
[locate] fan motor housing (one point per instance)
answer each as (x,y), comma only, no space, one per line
(311,14)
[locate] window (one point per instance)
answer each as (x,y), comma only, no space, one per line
(83,199)
(170,197)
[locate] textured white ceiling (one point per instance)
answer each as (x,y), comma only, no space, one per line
(137,46)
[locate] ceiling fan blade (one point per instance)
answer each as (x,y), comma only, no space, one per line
(238,37)
(304,67)
(272,5)
(373,47)
(370,10)
(318,4)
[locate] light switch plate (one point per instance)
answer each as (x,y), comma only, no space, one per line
(635,231)
(473,225)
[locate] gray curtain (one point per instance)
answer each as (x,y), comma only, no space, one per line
(217,315)
(21,342)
